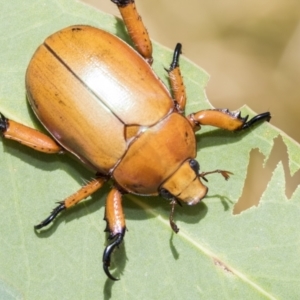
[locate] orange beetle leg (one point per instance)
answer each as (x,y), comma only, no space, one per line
(225,119)
(115,226)
(80,195)
(28,136)
(136,28)
(171,219)
(175,78)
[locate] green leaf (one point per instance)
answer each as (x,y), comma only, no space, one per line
(216,254)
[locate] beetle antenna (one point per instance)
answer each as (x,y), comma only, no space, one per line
(225,174)
(52,216)
(107,253)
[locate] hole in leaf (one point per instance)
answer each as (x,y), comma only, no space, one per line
(258,176)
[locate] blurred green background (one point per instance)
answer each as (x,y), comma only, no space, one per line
(251,49)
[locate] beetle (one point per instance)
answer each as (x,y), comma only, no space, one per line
(101,101)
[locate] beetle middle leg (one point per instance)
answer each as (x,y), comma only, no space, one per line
(136,28)
(80,195)
(116,227)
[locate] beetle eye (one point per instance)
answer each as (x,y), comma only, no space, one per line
(195,166)
(166,194)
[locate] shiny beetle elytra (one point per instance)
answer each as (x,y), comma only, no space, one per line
(101,101)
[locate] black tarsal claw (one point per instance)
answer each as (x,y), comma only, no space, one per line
(3,123)
(122,3)
(52,216)
(244,119)
(175,61)
(118,238)
(266,116)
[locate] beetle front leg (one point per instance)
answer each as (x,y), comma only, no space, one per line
(171,219)
(225,119)
(176,81)
(80,195)
(136,28)
(28,136)
(115,226)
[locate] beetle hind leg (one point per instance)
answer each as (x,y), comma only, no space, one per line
(136,28)
(28,136)
(115,226)
(80,195)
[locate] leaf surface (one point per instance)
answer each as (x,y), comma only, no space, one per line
(216,255)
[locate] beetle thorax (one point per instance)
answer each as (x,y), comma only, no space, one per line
(155,155)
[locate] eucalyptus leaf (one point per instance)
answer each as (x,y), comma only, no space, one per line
(215,255)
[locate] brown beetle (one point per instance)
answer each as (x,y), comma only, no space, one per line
(101,101)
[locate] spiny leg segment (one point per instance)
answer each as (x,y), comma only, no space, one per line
(176,80)
(80,195)
(225,119)
(28,136)
(116,226)
(136,28)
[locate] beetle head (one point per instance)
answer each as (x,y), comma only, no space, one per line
(185,184)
